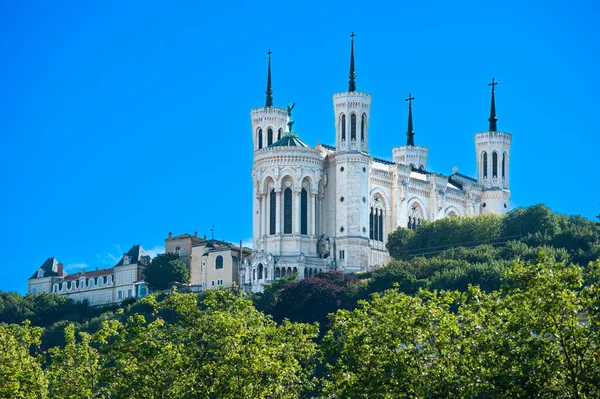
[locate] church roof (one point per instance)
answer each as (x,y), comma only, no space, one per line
(383,161)
(289,139)
(466,177)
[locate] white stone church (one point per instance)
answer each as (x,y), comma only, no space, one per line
(332,208)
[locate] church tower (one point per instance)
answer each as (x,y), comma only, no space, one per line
(268,122)
(493,163)
(352,161)
(409,154)
(268,125)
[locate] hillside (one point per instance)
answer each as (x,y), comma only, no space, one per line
(488,306)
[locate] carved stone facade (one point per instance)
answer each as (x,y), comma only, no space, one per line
(332,208)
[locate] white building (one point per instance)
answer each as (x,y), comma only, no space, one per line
(324,207)
(100,286)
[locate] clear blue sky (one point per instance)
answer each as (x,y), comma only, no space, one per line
(123,120)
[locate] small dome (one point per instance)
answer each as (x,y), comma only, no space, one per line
(289,139)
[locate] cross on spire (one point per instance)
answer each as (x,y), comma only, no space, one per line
(352,76)
(493,118)
(269,91)
(410,134)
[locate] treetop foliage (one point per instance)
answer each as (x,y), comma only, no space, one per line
(164,270)
(535,226)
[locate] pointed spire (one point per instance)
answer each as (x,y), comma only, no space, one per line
(352,83)
(410,134)
(269,90)
(493,118)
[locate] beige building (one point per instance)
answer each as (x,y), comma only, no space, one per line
(212,263)
(100,286)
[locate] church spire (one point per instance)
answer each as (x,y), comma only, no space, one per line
(352,76)
(410,134)
(269,91)
(493,118)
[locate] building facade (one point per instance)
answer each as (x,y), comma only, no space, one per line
(212,263)
(98,287)
(332,207)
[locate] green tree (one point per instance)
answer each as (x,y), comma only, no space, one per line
(395,346)
(21,374)
(538,338)
(75,370)
(217,346)
(164,270)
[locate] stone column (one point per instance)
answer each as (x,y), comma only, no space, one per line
(313,214)
(278,211)
(263,217)
(297,207)
(320,220)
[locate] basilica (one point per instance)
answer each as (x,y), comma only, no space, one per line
(332,207)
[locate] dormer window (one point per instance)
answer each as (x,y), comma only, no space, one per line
(126,260)
(40,273)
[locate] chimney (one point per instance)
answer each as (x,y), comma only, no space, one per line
(170,235)
(195,234)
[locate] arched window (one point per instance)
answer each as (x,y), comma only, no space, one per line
(219,262)
(495,164)
(304,212)
(279,133)
(260,271)
(362,127)
(287,211)
(414,216)
(353,127)
(269,137)
(343,123)
(376,220)
(259,139)
(272,209)
(484,161)
(503,165)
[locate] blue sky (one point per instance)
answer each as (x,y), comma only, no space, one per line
(122,121)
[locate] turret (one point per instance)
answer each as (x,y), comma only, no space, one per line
(493,163)
(352,163)
(268,122)
(352,110)
(409,154)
